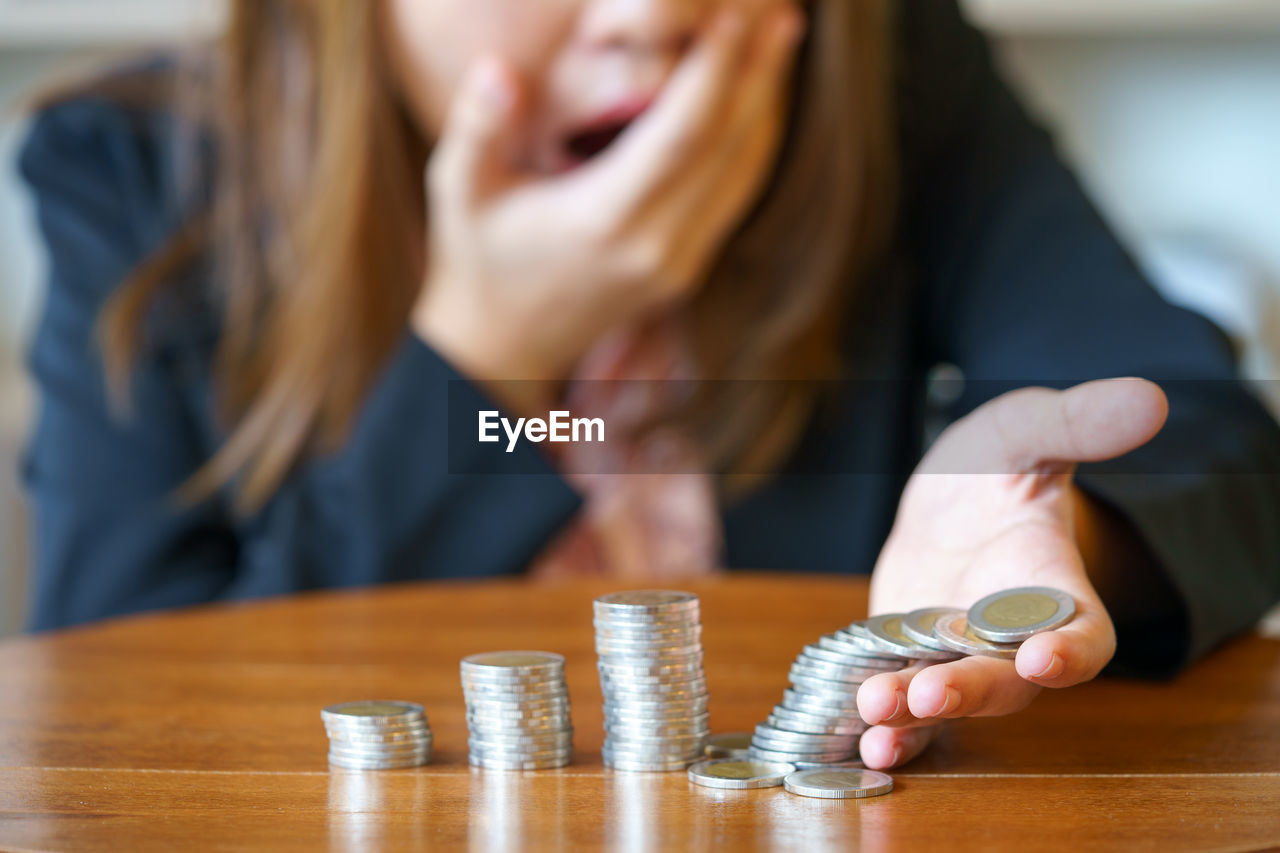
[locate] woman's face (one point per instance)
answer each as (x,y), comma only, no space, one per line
(588,67)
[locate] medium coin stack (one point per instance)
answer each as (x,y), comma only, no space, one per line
(377,735)
(655,691)
(517,710)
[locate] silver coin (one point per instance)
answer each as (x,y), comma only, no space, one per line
(641,766)
(1015,615)
(358,764)
(856,634)
(388,755)
(728,745)
(820,742)
(838,676)
(886,629)
(373,712)
(798,700)
(514,662)
(511,704)
(841,783)
(819,765)
(500,740)
(953,632)
(519,764)
(794,746)
(355,743)
(645,600)
(842,692)
(657,731)
(792,757)
(858,652)
(816,653)
(918,625)
(738,774)
(825,727)
(513,686)
(652,668)
(378,735)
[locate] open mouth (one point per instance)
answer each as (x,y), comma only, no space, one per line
(594,137)
(588,144)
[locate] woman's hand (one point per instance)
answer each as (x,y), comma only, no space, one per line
(991,507)
(527,271)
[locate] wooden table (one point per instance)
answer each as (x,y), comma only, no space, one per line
(202,729)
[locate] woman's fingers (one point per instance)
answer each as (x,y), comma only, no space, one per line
(970,687)
(882,699)
(472,156)
(1072,654)
(1024,430)
(882,747)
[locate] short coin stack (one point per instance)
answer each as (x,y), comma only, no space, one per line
(377,735)
(517,710)
(655,691)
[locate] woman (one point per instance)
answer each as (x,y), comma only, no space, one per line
(296,339)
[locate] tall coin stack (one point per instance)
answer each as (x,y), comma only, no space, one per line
(377,735)
(655,690)
(817,721)
(517,710)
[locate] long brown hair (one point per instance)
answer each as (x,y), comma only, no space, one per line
(317,209)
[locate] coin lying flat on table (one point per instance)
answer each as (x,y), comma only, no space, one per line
(839,783)
(952,630)
(739,773)
(1015,615)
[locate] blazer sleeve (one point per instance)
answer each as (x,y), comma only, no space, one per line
(1023,283)
(108,536)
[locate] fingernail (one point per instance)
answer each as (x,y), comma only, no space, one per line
(899,706)
(951,701)
(1054,669)
(897,756)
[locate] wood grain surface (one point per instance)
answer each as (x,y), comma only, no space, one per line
(201,729)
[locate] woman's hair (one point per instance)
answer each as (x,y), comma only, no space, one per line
(314,226)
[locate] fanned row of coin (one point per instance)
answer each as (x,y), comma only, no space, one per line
(517,710)
(817,722)
(377,735)
(649,645)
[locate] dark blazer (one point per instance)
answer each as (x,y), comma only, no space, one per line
(1016,280)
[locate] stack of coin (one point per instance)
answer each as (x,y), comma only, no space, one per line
(655,691)
(817,721)
(377,735)
(517,710)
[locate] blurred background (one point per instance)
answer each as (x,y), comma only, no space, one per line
(1169,109)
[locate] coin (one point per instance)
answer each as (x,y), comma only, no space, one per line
(739,774)
(886,630)
(1015,615)
(728,745)
(918,626)
(953,632)
(518,711)
(841,783)
(788,757)
(372,713)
